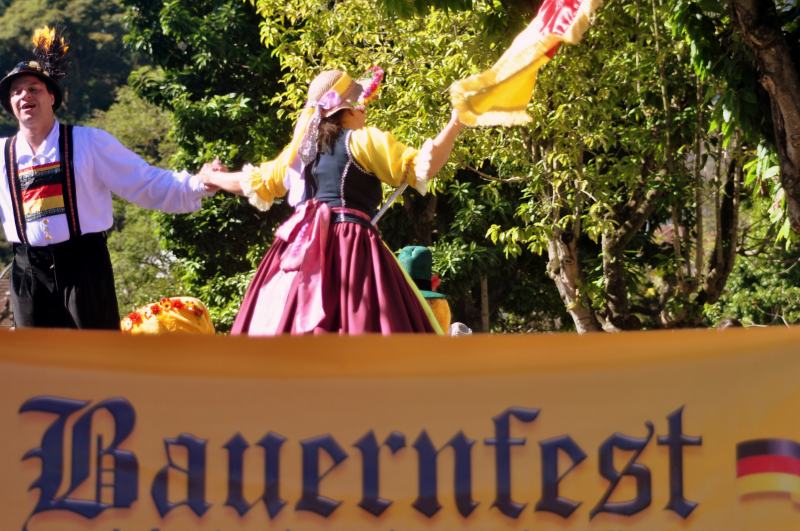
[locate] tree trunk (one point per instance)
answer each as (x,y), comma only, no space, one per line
(699,187)
(421,212)
(628,220)
(758,24)
(724,255)
(484,304)
(563,267)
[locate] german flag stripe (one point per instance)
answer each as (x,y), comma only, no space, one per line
(756,447)
(42,192)
(45,204)
(40,168)
(760,464)
(771,482)
(40,179)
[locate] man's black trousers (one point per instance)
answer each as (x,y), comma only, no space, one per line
(65,285)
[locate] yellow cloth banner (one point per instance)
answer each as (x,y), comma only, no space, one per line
(500,95)
(684,430)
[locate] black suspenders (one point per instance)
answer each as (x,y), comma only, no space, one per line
(13,187)
(65,148)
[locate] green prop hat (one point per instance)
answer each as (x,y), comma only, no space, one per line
(418,263)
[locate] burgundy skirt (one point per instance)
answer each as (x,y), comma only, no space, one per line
(361,289)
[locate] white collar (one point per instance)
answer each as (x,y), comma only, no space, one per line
(47,150)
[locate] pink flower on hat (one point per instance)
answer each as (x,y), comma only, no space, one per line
(330,100)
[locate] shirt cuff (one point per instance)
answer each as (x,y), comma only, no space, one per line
(249,188)
(422,167)
(196,185)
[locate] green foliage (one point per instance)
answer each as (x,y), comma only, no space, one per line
(718,56)
(735,94)
(617,118)
(217,80)
(407,8)
(141,126)
(616,121)
(499,8)
(143,270)
(763,177)
(212,73)
(600,140)
(762,290)
(764,287)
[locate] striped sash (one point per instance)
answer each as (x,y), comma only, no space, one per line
(45,190)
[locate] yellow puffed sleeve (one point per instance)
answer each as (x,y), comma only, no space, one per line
(264,183)
(392,161)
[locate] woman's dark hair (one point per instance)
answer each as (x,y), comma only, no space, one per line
(329,129)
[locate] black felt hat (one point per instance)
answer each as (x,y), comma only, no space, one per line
(49,53)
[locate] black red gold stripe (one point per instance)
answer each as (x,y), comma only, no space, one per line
(44,190)
(785,447)
(768,465)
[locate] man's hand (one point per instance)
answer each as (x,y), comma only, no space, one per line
(206,174)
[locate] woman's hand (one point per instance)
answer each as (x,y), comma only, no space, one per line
(454,121)
(214,165)
(205,175)
(216,176)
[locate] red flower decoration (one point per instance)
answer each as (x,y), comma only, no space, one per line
(371,91)
(135,317)
(435,281)
(198,311)
(156,309)
(177,304)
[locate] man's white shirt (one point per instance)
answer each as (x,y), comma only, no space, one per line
(102,166)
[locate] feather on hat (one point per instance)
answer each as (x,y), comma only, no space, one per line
(48,64)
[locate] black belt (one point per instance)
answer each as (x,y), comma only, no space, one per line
(343,217)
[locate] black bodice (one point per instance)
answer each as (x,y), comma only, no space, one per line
(338,180)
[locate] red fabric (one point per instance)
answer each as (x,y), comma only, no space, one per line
(767,463)
(42,192)
(556,16)
(363,288)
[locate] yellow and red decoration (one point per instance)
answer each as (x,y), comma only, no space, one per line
(169,315)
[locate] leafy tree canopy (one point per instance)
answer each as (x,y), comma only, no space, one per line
(627,189)
(210,70)
(143,270)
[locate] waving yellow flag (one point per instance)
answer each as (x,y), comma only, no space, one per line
(500,95)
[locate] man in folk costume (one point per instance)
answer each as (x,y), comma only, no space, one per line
(56,182)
